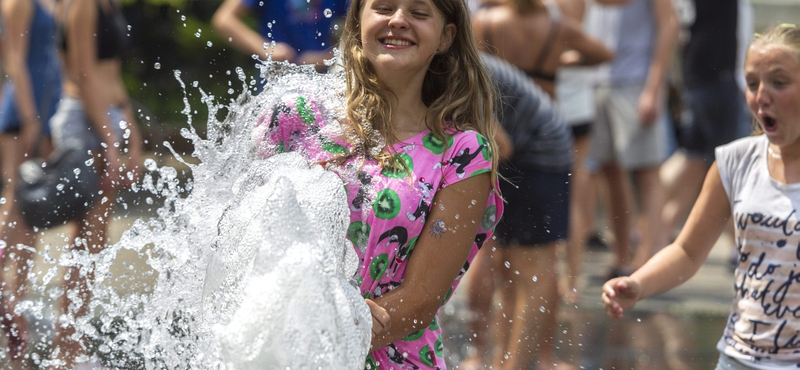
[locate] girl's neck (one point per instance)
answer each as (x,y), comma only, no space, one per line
(408,112)
(784,163)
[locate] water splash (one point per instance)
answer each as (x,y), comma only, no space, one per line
(249,258)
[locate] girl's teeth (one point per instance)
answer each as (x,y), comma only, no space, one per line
(397,42)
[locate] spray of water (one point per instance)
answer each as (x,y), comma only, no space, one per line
(250,258)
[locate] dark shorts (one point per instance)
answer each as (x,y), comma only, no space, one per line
(537,208)
(714,114)
(581,130)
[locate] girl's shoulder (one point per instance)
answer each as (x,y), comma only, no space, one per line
(741,148)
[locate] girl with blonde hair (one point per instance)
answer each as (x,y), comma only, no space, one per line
(416,153)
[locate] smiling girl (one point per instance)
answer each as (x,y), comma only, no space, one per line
(417,159)
(757,181)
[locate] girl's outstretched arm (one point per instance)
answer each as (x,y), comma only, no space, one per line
(680,260)
(438,257)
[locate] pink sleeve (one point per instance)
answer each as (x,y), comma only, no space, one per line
(285,125)
(469,156)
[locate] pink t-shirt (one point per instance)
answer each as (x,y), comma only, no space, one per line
(388,209)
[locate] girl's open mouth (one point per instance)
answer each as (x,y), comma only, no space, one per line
(770,124)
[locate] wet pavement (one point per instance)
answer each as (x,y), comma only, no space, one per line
(677,330)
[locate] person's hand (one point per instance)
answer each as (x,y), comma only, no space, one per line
(315,58)
(648,107)
(282,52)
(380,318)
(619,295)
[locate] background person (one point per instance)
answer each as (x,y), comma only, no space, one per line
(303,31)
(536,168)
(29,99)
(532,35)
(92,38)
(629,136)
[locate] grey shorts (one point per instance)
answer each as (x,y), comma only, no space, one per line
(70,125)
(617,135)
(729,363)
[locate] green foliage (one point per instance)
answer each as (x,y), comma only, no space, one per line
(170,35)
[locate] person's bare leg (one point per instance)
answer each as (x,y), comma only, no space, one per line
(682,177)
(651,194)
(9,151)
(581,213)
(77,293)
(619,213)
(480,292)
(20,240)
(533,292)
(503,315)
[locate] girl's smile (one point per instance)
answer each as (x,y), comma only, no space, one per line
(403,36)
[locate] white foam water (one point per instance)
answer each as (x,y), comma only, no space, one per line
(250,259)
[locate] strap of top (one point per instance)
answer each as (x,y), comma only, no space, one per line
(552,34)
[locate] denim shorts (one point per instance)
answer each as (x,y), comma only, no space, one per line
(70,124)
(537,211)
(714,114)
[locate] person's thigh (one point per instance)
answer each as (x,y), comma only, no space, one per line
(601,147)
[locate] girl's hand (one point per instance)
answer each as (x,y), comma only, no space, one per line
(381,321)
(619,295)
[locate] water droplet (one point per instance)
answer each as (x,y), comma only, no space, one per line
(210,44)
(516,272)
(328,13)
(76,171)
(183,18)
(149,201)
(639,320)
(542,309)
(3,200)
(157,65)
(89,162)
(535,278)
(60,187)
(507,264)
(150,164)
(129,27)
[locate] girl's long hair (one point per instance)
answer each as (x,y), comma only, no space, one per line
(457,90)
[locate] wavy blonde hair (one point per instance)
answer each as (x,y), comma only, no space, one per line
(785,34)
(457,90)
